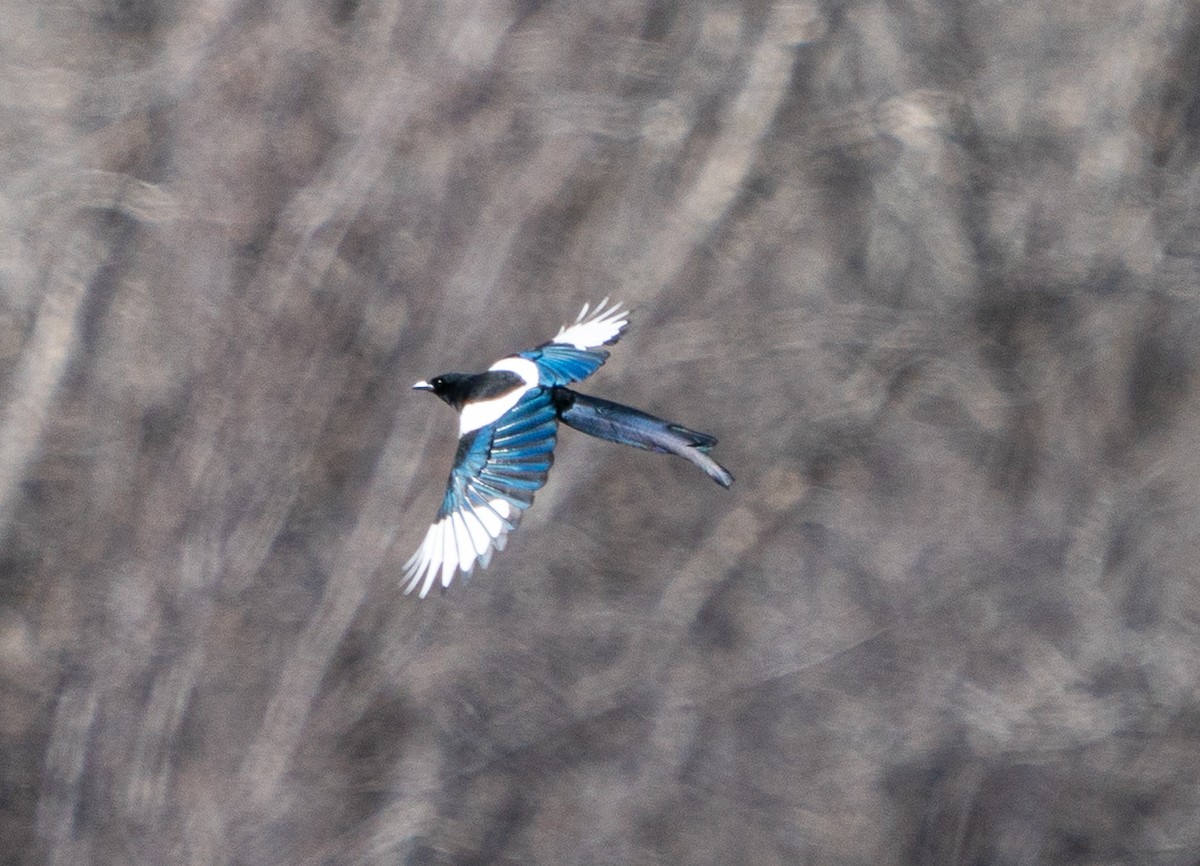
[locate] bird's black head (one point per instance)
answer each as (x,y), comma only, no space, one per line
(454,388)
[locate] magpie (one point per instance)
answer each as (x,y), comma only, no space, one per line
(508,424)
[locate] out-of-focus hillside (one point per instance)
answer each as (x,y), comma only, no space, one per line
(929,271)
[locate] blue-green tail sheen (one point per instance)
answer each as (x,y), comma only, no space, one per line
(628,426)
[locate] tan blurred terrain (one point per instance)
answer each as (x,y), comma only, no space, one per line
(929,270)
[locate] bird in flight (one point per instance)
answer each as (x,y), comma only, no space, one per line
(508,424)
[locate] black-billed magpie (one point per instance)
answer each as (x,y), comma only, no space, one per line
(508,422)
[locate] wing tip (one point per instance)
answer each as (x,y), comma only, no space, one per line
(452,544)
(603,327)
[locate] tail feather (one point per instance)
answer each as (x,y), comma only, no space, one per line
(627,426)
(701,441)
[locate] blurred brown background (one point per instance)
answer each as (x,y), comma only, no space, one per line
(929,270)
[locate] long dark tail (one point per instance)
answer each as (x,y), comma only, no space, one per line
(627,426)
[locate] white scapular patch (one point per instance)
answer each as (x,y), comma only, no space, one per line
(458,542)
(602,327)
(481,413)
(523,367)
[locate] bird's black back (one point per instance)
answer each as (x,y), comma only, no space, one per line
(459,389)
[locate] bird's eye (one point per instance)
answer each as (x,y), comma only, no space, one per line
(437,382)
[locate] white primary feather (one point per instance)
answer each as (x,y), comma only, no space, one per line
(480,539)
(466,547)
(458,542)
(450,563)
(491,521)
(600,328)
(423,565)
(424,562)
(501,511)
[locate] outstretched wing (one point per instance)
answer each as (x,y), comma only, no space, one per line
(573,354)
(496,471)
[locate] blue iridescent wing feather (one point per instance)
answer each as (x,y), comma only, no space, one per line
(561,364)
(575,353)
(508,459)
(498,467)
(497,470)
